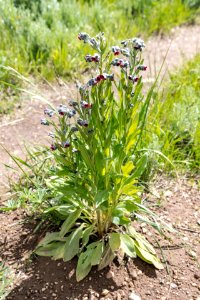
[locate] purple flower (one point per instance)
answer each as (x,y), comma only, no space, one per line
(138,44)
(73,103)
(53,147)
(116,50)
(85,104)
(92,82)
(65,111)
(90,58)
(82,36)
(82,122)
(141,68)
(133,78)
(120,62)
(66,144)
(48,112)
(44,122)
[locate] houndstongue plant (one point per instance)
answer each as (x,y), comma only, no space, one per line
(95,189)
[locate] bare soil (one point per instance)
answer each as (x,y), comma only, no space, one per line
(176,202)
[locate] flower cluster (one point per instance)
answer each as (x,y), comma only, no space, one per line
(48,112)
(99,78)
(142,68)
(63,110)
(85,104)
(123,63)
(138,44)
(116,50)
(94,43)
(44,122)
(133,78)
(92,58)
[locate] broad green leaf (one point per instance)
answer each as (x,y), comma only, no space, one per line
(114,241)
(127,245)
(147,256)
(84,265)
(97,253)
(55,249)
(141,240)
(50,237)
(86,235)
(127,169)
(69,222)
(64,210)
(72,244)
(101,197)
(107,258)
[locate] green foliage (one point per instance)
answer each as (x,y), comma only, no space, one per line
(174,118)
(95,187)
(6,279)
(36,36)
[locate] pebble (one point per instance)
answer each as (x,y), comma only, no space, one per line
(105,292)
(110,275)
(133,296)
(134,275)
(173,285)
(193,254)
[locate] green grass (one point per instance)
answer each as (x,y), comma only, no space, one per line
(37,36)
(6,280)
(174,123)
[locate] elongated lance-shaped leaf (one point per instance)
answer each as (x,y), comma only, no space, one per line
(69,222)
(72,244)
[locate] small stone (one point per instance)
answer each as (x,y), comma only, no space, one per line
(144,230)
(192,254)
(139,272)
(194,284)
(173,285)
(134,274)
(133,296)
(198,222)
(110,275)
(112,287)
(105,292)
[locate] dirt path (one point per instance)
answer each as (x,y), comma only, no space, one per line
(24,125)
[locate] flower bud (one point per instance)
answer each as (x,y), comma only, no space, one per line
(44,122)
(48,112)
(66,144)
(53,147)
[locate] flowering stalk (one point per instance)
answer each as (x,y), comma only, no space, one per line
(95,143)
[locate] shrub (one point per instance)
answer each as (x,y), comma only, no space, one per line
(95,189)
